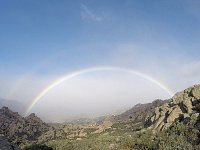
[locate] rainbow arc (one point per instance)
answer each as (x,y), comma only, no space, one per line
(47,89)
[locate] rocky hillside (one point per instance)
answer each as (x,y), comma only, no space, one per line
(139,112)
(18,129)
(183,106)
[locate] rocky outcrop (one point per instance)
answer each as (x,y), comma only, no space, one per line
(17,128)
(184,106)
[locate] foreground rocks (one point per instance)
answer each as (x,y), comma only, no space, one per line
(184,106)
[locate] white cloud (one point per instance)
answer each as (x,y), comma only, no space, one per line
(87,14)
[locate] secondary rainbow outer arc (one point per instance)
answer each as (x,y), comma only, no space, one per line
(76,73)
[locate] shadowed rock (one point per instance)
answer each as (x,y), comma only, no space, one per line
(5,145)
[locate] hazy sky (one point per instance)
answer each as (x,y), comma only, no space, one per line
(40,41)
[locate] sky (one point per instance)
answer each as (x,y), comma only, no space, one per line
(41,41)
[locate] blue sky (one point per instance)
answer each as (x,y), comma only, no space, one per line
(36,31)
(45,39)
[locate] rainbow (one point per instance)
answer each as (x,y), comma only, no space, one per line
(83,71)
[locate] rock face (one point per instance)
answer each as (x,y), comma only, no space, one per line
(5,145)
(17,128)
(184,106)
(139,112)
